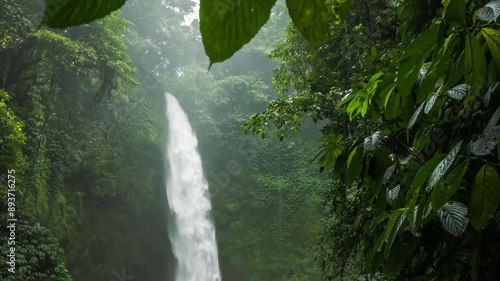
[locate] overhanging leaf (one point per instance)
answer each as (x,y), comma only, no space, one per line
(453,217)
(227,25)
(66,13)
(310,18)
(485,197)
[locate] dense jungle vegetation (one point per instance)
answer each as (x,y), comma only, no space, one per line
(376,157)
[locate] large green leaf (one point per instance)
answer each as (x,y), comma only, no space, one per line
(412,59)
(443,166)
(439,67)
(475,65)
(227,25)
(455,12)
(396,220)
(492,37)
(66,13)
(310,18)
(419,180)
(354,165)
(485,197)
(448,186)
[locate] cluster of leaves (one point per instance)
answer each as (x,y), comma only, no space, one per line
(424,156)
(37,253)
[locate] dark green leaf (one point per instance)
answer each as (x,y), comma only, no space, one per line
(354,165)
(66,13)
(227,25)
(310,18)
(485,196)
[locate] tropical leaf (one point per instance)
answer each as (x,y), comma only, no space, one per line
(396,220)
(485,197)
(443,166)
(373,142)
(412,59)
(453,217)
(354,165)
(419,213)
(449,186)
(420,179)
(415,116)
(493,41)
(458,92)
(393,193)
(227,25)
(475,66)
(430,103)
(311,17)
(489,12)
(388,173)
(62,14)
(486,143)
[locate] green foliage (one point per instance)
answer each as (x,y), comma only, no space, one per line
(61,14)
(38,255)
(424,111)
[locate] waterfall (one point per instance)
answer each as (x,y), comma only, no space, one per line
(193,233)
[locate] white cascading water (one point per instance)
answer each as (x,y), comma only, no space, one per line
(193,233)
